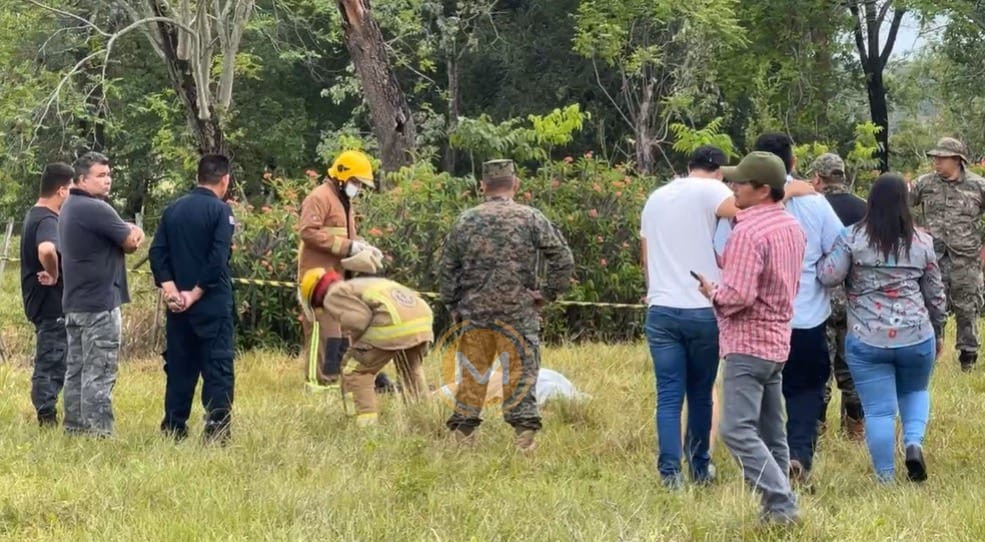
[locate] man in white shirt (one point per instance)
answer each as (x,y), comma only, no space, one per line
(677,230)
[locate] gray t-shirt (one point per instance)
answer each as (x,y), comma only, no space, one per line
(93,261)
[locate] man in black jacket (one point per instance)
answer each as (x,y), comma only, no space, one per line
(190,261)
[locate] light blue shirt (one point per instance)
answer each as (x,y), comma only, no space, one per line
(821,226)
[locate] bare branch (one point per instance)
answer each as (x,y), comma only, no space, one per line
(598,79)
(104,52)
(63,13)
(891,39)
(859,39)
(883,11)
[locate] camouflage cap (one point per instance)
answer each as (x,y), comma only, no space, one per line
(949,147)
(829,166)
(498,169)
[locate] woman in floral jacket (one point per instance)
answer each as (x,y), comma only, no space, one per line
(896,309)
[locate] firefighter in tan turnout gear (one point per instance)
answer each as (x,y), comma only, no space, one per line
(328,234)
(386,321)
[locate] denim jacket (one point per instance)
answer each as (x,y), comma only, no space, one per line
(891,303)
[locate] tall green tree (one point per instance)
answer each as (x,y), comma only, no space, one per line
(662,52)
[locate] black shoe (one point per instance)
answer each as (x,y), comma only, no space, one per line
(968,360)
(916,469)
(217,430)
(176,432)
(47,419)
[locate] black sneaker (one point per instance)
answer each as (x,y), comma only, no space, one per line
(916,468)
(968,360)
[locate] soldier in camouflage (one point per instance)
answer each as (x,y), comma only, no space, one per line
(489,285)
(829,179)
(952,200)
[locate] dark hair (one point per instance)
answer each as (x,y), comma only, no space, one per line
(776,194)
(55,176)
(888,221)
(498,184)
(707,158)
(778,144)
(212,168)
(85,162)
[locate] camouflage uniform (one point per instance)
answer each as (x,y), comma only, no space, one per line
(851,405)
(93,350)
(831,169)
(488,280)
(952,211)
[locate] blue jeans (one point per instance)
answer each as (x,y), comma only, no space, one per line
(684,347)
(886,378)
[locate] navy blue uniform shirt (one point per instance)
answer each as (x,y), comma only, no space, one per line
(192,247)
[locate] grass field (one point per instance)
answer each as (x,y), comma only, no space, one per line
(298,469)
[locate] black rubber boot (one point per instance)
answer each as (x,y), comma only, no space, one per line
(968,360)
(334,350)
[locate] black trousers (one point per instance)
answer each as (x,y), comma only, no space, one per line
(198,345)
(805,376)
(51,344)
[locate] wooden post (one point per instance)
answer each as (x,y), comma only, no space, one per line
(3,268)
(6,248)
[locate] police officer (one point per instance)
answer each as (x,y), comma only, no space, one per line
(190,261)
(953,201)
(489,284)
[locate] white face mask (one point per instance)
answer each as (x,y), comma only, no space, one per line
(352,189)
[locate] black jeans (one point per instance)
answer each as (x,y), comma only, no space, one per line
(805,376)
(51,345)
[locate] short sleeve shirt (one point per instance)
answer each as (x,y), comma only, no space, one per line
(40,302)
(93,261)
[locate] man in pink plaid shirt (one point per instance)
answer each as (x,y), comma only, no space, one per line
(754,306)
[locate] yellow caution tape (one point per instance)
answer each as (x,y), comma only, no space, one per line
(430,295)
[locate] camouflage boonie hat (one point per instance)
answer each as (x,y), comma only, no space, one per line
(949,147)
(498,169)
(829,166)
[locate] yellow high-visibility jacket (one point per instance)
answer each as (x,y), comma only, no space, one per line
(380,312)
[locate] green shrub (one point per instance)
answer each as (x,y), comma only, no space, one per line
(595,205)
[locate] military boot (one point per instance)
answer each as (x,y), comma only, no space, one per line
(466,437)
(968,360)
(854,429)
(524,440)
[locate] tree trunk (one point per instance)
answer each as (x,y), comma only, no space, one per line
(392,121)
(454,111)
(645,160)
(879,111)
(137,196)
(643,131)
(207,132)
